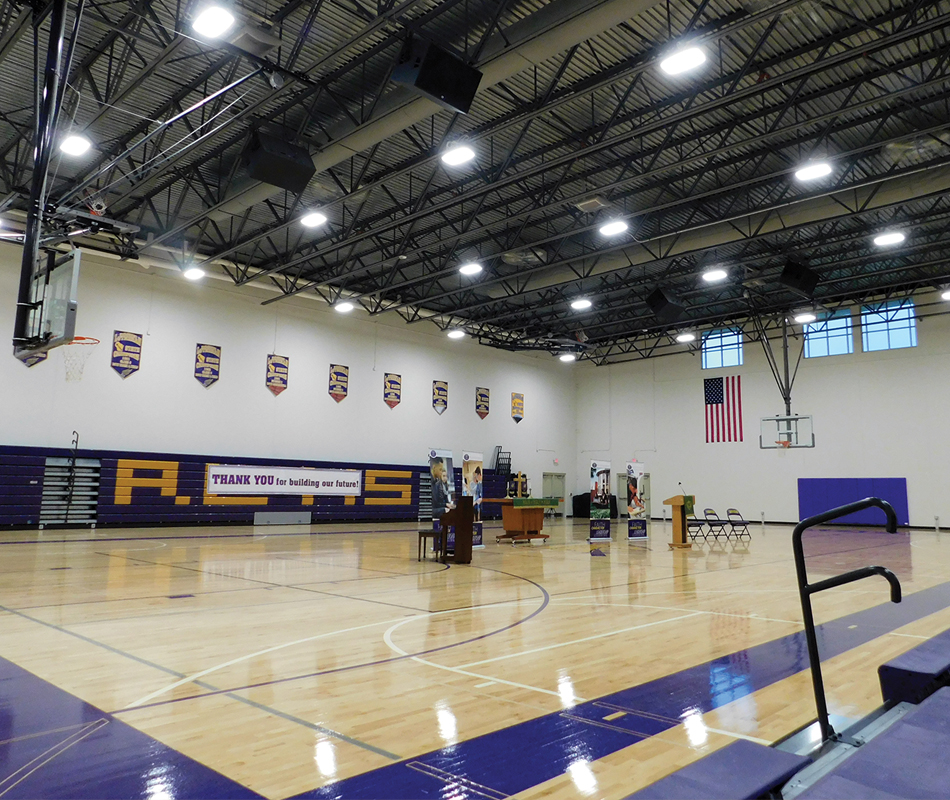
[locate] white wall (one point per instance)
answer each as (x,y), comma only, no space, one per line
(163,408)
(875,415)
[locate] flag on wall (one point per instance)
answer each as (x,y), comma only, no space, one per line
(723,409)
(126,352)
(440,396)
(339,383)
(207,364)
(482,401)
(517,406)
(392,389)
(278,373)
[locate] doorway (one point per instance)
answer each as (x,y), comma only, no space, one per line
(552,485)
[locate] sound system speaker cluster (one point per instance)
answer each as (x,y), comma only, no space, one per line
(437,74)
(279,163)
(797,276)
(665,307)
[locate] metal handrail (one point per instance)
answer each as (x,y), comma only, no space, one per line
(806,590)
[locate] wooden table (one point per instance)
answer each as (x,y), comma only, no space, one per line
(523,517)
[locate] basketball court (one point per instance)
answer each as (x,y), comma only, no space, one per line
(502,398)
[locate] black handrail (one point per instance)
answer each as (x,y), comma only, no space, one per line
(806,590)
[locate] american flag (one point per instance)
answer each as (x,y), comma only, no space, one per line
(723,409)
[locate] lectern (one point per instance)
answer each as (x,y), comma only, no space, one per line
(681,504)
(461,517)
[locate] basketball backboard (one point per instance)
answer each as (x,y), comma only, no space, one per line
(777,433)
(53,303)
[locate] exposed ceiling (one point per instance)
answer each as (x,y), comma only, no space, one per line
(572,106)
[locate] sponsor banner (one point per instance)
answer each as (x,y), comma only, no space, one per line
(339,381)
(207,364)
(636,509)
(278,373)
(440,396)
(36,358)
(517,406)
(392,389)
(599,500)
(472,464)
(482,401)
(477,535)
(225,479)
(126,353)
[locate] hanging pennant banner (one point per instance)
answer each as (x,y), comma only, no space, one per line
(339,381)
(392,389)
(207,364)
(440,396)
(636,509)
(599,504)
(482,401)
(517,406)
(126,352)
(36,358)
(278,373)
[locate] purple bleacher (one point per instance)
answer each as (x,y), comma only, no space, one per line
(739,770)
(919,672)
(908,760)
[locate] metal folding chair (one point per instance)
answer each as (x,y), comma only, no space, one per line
(716,525)
(695,527)
(740,527)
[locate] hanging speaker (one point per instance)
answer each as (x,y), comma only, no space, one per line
(437,74)
(797,276)
(665,306)
(279,163)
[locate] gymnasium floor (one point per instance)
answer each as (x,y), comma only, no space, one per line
(328,662)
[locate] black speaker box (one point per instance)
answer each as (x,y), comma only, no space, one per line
(279,163)
(665,306)
(797,276)
(438,75)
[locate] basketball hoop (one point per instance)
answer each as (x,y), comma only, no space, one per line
(784,444)
(75,354)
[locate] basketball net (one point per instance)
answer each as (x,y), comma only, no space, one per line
(75,355)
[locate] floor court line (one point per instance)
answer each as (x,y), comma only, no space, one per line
(673,608)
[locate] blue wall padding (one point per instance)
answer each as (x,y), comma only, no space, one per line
(817,495)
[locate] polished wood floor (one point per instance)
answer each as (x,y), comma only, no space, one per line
(288,658)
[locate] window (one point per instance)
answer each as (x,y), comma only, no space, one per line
(830,335)
(889,325)
(722,348)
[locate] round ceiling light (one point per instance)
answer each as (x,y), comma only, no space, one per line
(581,304)
(457,154)
(889,239)
(813,171)
(471,268)
(567,357)
(683,60)
(715,275)
(685,337)
(613,227)
(75,145)
(455,333)
(313,219)
(213,22)
(344,306)
(194,273)
(805,317)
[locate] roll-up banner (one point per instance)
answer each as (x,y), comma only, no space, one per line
(442,475)
(599,507)
(472,465)
(636,509)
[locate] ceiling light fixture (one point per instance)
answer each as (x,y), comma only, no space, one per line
(683,60)
(945,294)
(812,171)
(344,306)
(889,239)
(471,268)
(457,154)
(567,357)
(613,227)
(685,337)
(193,273)
(455,333)
(75,145)
(313,219)
(581,304)
(715,275)
(213,22)
(805,317)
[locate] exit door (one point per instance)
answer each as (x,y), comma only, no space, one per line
(552,485)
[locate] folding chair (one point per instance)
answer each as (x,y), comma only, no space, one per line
(694,527)
(716,525)
(740,527)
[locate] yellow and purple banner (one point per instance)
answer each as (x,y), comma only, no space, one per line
(599,508)
(207,364)
(339,381)
(278,373)
(482,401)
(636,508)
(517,406)
(126,352)
(440,396)
(392,389)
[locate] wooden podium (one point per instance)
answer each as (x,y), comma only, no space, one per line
(680,503)
(523,517)
(461,517)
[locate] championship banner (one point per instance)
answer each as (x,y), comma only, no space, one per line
(36,358)
(636,509)
(599,508)
(482,401)
(226,479)
(472,486)
(339,381)
(392,389)
(126,352)
(517,407)
(278,373)
(207,364)
(440,396)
